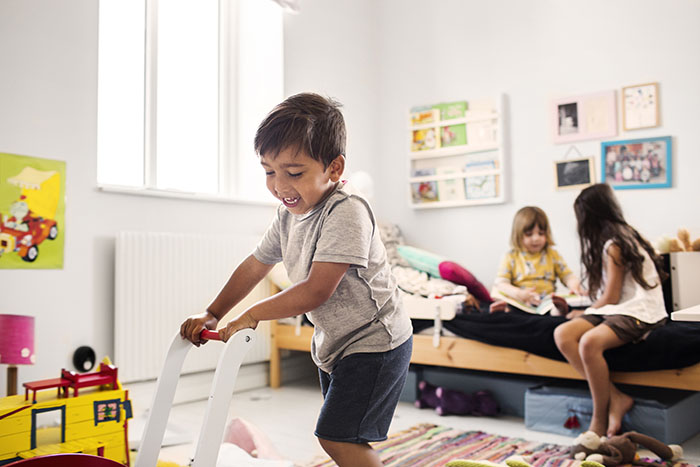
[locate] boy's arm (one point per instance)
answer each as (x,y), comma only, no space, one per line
(304,296)
(246,276)
(615,273)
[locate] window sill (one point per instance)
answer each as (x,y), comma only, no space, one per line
(185,195)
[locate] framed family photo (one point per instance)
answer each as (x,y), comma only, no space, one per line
(574,174)
(640,106)
(637,163)
(588,116)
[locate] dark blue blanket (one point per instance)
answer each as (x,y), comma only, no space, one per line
(674,345)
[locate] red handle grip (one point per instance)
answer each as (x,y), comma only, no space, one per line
(210,335)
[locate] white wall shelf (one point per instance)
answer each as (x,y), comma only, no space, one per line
(456,154)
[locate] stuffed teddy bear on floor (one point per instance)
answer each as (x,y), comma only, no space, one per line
(621,449)
(451,402)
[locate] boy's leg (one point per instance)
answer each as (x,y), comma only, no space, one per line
(360,397)
(351,454)
(609,404)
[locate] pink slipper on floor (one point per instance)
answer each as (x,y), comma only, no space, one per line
(249,438)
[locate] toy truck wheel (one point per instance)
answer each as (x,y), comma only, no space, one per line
(53,233)
(32,253)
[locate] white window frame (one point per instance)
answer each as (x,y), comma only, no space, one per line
(230,150)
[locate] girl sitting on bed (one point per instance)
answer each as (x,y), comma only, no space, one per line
(530,269)
(624,275)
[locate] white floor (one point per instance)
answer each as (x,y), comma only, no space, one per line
(288,415)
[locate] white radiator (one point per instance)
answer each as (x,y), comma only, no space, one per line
(160,279)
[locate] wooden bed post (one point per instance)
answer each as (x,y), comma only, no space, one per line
(275,353)
(275,369)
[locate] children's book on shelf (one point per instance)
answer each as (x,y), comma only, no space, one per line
(450,110)
(545,306)
(453,135)
(480,186)
(424,191)
(424,116)
(451,189)
(424,139)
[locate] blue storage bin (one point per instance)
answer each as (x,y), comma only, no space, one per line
(668,415)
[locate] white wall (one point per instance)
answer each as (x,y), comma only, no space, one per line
(48,108)
(532,51)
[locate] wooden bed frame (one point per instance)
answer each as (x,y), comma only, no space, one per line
(457,352)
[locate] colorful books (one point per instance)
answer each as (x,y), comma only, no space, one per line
(545,306)
(421,117)
(547,303)
(453,135)
(424,139)
(480,186)
(450,110)
(425,191)
(451,189)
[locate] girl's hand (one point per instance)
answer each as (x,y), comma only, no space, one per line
(529,296)
(195,324)
(243,321)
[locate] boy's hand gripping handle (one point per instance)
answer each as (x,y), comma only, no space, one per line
(210,335)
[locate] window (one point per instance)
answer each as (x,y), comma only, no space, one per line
(182,86)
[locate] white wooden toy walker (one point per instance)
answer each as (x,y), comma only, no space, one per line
(212,432)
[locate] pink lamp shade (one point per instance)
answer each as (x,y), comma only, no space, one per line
(16,339)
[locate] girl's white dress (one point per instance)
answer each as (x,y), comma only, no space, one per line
(635,301)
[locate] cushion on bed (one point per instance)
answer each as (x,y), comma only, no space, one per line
(453,272)
(421,259)
(438,266)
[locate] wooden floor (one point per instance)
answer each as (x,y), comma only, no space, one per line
(288,415)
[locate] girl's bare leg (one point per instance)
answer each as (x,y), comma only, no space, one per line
(609,404)
(620,404)
(567,336)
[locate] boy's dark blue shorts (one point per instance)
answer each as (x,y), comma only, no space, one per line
(361,394)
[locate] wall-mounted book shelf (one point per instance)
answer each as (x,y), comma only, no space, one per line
(456,154)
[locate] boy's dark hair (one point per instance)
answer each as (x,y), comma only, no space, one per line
(600,219)
(526,219)
(304,122)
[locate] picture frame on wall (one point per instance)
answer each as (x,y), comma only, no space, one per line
(640,106)
(583,117)
(637,163)
(574,174)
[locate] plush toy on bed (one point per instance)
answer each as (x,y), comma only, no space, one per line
(451,402)
(621,449)
(682,242)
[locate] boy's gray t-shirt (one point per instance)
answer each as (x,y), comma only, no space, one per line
(364,314)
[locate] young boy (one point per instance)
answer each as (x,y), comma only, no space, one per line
(327,238)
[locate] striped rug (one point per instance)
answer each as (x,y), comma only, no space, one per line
(430,445)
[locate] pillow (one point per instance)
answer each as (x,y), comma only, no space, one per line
(421,259)
(453,272)
(437,266)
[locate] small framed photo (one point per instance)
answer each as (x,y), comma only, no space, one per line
(637,163)
(574,174)
(640,106)
(588,116)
